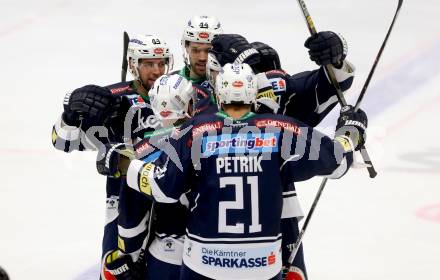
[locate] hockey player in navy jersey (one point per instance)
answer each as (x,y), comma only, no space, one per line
(165,251)
(241,168)
(95,115)
(307,96)
(170,98)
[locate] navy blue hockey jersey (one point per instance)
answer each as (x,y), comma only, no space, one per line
(309,96)
(242,173)
(306,96)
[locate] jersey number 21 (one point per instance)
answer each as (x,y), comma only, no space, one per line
(223,206)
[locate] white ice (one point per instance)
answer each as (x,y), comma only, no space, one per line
(52,204)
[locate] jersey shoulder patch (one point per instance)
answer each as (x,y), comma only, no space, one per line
(278,84)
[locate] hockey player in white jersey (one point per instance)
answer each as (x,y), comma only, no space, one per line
(239,164)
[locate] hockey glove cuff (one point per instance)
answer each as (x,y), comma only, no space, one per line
(120,267)
(352,125)
(113,159)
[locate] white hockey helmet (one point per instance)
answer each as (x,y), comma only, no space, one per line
(147,47)
(200,29)
(170,97)
(236,83)
(212,65)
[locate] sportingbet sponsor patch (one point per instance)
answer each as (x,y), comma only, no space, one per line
(240,143)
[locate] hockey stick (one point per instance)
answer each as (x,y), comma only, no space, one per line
(306,222)
(363,151)
(331,75)
(376,61)
(324,181)
(124,57)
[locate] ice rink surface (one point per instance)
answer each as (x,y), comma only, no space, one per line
(52,204)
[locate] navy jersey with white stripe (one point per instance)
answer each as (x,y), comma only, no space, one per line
(309,96)
(242,173)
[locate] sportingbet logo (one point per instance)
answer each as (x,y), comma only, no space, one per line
(240,143)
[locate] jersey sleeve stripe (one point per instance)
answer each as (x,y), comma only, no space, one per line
(291,208)
(234,240)
(289,193)
(133,174)
(66,132)
(132,232)
(347,71)
(342,168)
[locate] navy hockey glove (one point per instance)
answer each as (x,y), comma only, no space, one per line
(230,48)
(353,125)
(269,59)
(113,159)
(3,274)
(92,102)
(121,268)
(327,48)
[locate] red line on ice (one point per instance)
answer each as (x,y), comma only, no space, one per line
(430,213)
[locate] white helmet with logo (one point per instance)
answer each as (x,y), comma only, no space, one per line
(147,47)
(170,97)
(236,83)
(200,29)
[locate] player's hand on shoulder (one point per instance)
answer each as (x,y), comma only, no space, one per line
(92,102)
(114,158)
(327,47)
(352,125)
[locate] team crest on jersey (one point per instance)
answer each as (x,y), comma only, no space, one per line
(112,202)
(240,143)
(168,245)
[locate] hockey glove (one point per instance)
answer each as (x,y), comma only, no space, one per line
(92,102)
(121,268)
(269,59)
(3,274)
(352,126)
(327,48)
(230,48)
(113,159)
